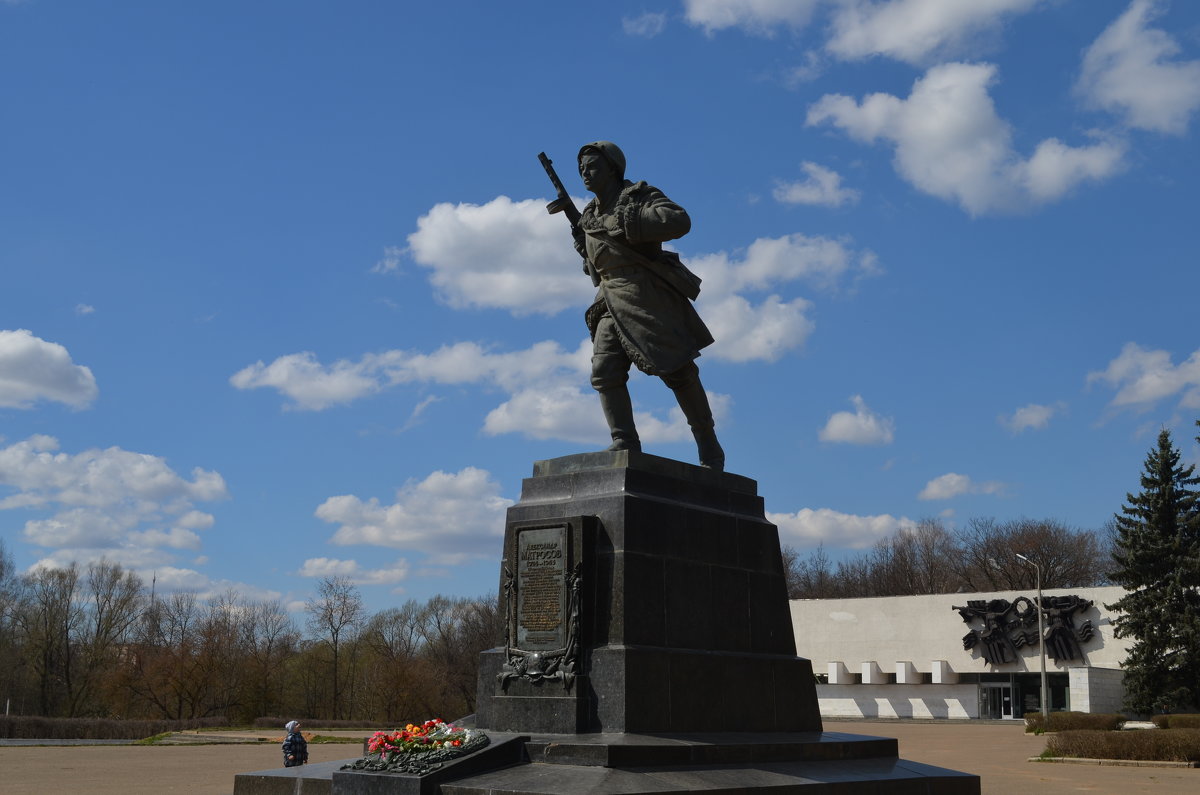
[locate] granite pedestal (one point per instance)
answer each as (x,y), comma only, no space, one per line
(684,621)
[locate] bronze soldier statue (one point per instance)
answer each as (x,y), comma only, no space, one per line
(643,311)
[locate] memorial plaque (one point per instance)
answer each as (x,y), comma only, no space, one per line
(542,589)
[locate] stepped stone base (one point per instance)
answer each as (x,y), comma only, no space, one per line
(828,763)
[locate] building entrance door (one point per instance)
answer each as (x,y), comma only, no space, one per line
(996,701)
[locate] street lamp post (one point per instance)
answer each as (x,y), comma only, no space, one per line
(1041,634)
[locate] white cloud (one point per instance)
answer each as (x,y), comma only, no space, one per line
(491,255)
(1032,416)
(314,386)
(822,187)
(545,399)
(175,538)
(154,566)
(862,426)
(916,30)
(1143,377)
(310,384)
(949,142)
(647,25)
(562,411)
(1128,70)
(333,567)
(171,578)
(195,520)
(808,71)
(952,485)
(763,332)
(418,412)
(808,526)
(128,506)
(449,516)
(32,369)
(769,261)
(390,262)
(753,16)
(84,309)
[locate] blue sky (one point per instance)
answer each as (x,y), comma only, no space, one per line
(281,299)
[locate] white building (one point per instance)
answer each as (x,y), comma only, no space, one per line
(904,656)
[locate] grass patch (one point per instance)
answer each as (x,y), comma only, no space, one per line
(153,739)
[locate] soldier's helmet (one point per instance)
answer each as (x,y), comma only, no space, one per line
(609,151)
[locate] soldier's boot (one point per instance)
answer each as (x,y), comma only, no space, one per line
(694,403)
(618,411)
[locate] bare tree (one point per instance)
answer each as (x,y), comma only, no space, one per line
(913,561)
(270,639)
(334,616)
(49,616)
(929,559)
(114,601)
(11,664)
(1068,558)
(808,578)
(394,638)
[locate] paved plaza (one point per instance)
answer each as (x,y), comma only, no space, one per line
(996,752)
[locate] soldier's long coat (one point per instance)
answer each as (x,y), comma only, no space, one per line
(659,328)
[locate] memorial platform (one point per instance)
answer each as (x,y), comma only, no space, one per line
(648,647)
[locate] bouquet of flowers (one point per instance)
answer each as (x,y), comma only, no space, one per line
(418,748)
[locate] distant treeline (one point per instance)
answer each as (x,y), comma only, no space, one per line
(982,556)
(95,642)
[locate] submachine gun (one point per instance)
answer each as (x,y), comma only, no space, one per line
(563,204)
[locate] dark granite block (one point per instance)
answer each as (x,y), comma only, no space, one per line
(746,504)
(596,600)
(688,605)
(648,683)
(314,779)
(758,546)
(794,695)
(490,662)
(643,600)
(695,692)
(553,710)
(555,487)
(747,694)
(730,609)
(770,620)
(607,675)
(698,535)
(650,526)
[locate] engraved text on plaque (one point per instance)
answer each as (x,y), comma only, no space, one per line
(542,589)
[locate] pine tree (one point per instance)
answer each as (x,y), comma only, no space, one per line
(1157,560)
